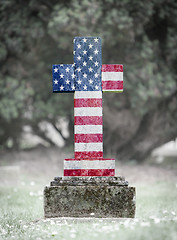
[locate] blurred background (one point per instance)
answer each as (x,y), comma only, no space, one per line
(141,35)
(36,125)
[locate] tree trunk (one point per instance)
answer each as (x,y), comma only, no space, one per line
(156,127)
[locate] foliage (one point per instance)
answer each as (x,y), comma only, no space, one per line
(36,34)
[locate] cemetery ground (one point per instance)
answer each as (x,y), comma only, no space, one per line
(24,174)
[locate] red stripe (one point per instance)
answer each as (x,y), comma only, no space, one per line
(89,172)
(88,138)
(112,85)
(88,102)
(88,155)
(112,68)
(88,120)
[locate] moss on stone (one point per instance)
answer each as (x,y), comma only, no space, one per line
(68,200)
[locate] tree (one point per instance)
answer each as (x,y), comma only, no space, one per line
(141,35)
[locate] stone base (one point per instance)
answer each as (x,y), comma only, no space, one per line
(89,197)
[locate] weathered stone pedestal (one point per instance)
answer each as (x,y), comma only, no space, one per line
(89,197)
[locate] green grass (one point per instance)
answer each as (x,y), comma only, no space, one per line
(21,216)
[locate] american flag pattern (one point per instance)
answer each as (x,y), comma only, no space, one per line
(87,78)
(88,134)
(112,78)
(63,78)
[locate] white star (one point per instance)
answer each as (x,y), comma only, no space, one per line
(85,87)
(84,40)
(73,87)
(61,65)
(90,45)
(73,75)
(78,46)
(74,40)
(96,51)
(96,87)
(55,69)
(67,81)
(96,40)
(79,81)
(84,52)
(90,81)
(74,52)
(56,81)
(84,63)
(79,58)
(78,69)
(73,64)
(61,75)
(90,57)
(61,88)
(90,69)
(84,75)
(96,75)
(67,69)
(96,63)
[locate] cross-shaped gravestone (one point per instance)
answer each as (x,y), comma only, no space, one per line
(88,186)
(87,78)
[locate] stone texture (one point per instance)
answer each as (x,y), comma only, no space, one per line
(89,197)
(84,181)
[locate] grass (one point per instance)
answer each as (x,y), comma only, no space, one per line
(21,201)
(21,216)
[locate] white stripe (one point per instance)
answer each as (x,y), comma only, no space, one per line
(90,164)
(88,94)
(88,129)
(112,90)
(112,76)
(88,111)
(85,147)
